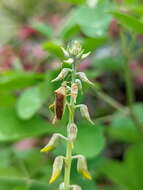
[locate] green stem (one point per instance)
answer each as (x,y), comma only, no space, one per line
(108,99)
(129,85)
(131,97)
(68,158)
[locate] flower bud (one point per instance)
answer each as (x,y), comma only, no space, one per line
(61,187)
(57,168)
(79,56)
(70,60)
(52,143)
(74,91)
(84,78)
(85,55)
(66,54)
(75,187)
(72,131)
(60,96)
(85,113)
(82,167)
(78,82)
(62,74)
(74,48)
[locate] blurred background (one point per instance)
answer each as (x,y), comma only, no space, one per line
(31,33)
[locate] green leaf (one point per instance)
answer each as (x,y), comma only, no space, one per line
(69,31)
(127,174)
(31,100)
(44,29)
(12,128)
(53,49)
(109,63)
(90,141)
(75,1)
(7,98)
(93,22)
(21,187)
(131,2)
(90,44)
(17,80)
(123,128)
(137,9)
(130,22)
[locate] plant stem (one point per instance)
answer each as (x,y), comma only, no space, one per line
(129,85)
(131,97)
(108,99)
(68,158)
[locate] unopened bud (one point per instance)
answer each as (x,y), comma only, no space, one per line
(72,131)
(84,78)
(79,56)
(74,48)
(78,82)
(61,187)
(82,167)
(60,94)
(62,74)
(66,54)
(70,60)
(75,187)
(85,55)
(57,168)
(85,113)
(74,91)
(52,143)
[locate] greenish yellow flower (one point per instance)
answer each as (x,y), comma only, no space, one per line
(82,167)
(52,143)
(57,168)
(85,113)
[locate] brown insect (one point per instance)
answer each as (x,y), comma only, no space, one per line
(59,104)
(60,95)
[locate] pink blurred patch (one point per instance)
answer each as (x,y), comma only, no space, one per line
(85,64)
(55,21)
(6,57)
(38,51)
(25,144)
(137,69)
(114,29)
(26,32)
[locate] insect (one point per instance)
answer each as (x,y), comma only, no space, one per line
(59,104)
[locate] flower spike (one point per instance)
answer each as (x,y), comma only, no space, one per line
(66,95)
